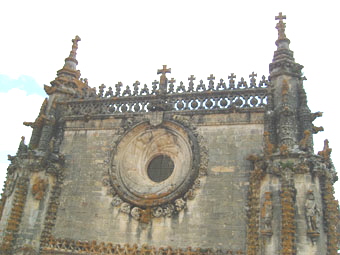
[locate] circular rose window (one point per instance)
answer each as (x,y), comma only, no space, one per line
(153,166)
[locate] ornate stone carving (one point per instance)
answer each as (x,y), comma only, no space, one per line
(72,247)
(55,168)
(179,204)
(10,183)
(304,143)
(313,214)
(253,212)
(25,250)
(267,214)
(125,208)
(116,201)
(326,152)
(136,213)
(13,223)
(331,213)
(268,146)
(168,210)
(38,188)
(140,144)
(157,212)
(288,229)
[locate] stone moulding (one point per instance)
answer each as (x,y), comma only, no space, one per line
(130,191)
(51,213)
(331,214)
(13,222)
(253,213)
(71,247)
(288,230)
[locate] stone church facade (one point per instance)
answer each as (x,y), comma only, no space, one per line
(215,167)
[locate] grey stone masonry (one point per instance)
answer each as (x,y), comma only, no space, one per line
(241,175)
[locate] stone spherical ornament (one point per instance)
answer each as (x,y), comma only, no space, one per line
(154,166)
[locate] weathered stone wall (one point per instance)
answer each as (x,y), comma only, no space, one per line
(35,209)
(215,218)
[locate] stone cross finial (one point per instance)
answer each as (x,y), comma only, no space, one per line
(172,80)
(101,90)
(231,78)
(280,17)
(163,80)
(252,79)
(73,52)
(191,83)
(191,78)
(252,75)
(280,26)
(135,88)
(211,79)
(154,87)
(118,88)
(164,70)
(171,86)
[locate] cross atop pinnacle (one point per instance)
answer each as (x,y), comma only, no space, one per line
(73,52)
(70,66)
(280,26)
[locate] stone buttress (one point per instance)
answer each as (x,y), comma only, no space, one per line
(292,209)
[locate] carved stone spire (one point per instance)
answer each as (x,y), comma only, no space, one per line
(283,61)
(71,62)
(288,116)
(67,81)
(70,66)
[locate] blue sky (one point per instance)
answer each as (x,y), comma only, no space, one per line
(23,82)
(20,98)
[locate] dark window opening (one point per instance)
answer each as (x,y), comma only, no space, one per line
(160,168)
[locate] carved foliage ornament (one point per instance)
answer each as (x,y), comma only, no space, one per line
(154,170)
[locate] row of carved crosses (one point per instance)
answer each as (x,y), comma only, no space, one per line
(181,88)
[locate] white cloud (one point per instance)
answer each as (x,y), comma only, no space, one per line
(16,107)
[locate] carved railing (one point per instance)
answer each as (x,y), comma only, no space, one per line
(166,97)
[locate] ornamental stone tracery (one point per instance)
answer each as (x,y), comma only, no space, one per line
(133,191)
